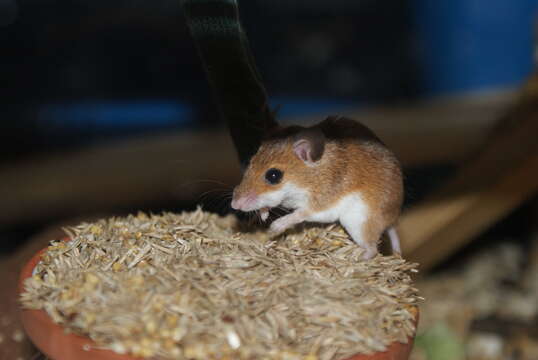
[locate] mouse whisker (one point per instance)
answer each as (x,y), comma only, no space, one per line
(220,202)
(218,192)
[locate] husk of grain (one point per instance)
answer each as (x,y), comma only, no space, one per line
(190,286)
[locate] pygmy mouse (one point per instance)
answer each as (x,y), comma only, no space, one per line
(337,170)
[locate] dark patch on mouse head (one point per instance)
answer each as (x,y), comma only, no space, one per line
(308,144)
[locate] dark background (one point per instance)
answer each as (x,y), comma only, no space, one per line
(105,110)
(80,73)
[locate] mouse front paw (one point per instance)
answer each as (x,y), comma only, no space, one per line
(285,222)
(280,225)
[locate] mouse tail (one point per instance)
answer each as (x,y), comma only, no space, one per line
(223,47)
(394,240)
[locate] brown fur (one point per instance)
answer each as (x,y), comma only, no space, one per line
(353,160)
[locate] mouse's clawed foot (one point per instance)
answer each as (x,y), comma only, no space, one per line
(369,253)
(280,225)
(287,221)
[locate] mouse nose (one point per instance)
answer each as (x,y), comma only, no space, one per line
(243,202)
(235,204)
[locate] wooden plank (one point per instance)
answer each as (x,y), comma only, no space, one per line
(491,183)
(167,167)
(183,166)
(445,129)
(434,231)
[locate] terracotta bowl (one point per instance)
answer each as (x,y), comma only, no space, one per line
(51,339)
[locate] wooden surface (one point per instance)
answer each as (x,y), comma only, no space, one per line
(180,167)
(495,180)
(436,130)
(170,168)
(433,231)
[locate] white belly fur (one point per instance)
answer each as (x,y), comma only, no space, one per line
(351,208)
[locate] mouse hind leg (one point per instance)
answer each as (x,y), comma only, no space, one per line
(365,231)
(394,240)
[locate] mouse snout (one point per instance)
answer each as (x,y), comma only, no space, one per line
(244,202)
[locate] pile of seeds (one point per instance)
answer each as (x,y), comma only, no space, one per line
(190,286)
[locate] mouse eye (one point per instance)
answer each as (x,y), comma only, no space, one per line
(273,176)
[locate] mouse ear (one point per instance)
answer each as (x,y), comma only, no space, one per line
(309,145)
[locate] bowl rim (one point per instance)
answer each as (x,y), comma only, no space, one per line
(51,339)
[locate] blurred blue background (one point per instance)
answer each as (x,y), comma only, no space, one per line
(75,72)
(472,45)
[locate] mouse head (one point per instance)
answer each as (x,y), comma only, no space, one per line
(276,173)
